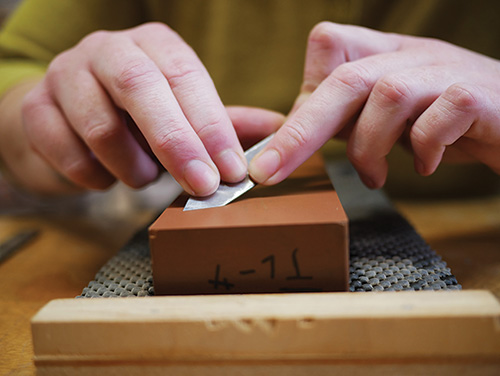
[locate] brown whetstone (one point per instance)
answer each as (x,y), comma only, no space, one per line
(288,237)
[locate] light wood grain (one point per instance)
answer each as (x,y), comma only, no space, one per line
(241,331)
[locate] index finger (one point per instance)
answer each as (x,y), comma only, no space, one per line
(197,97)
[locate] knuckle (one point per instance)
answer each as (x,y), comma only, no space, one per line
(358,157)
(101,133)
(352,76)
(32,105)
(156,27)
(419,137)
(461,97)
(172,141)
(97,37)
(298,135)
(211,126)
(323,34)
(135,74)
(79,170)
(161,29)
(58,67)
(182,72)
(392,91)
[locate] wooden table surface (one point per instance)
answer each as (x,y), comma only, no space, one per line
(70,250)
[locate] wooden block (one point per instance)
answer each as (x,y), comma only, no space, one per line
(410,333)
(289,237)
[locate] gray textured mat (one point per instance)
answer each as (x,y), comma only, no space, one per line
(386,253)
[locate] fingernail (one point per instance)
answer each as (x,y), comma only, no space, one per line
(233,167)
(201,178)
(264,166)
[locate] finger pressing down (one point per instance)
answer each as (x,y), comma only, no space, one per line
(199,112)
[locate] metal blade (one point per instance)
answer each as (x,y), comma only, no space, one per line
(14,243)
(358,201)
(228,192)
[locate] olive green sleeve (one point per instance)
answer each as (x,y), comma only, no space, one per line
(40,29)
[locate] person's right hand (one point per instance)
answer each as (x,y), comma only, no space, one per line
(79,117)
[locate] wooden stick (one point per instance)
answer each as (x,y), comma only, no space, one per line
(325,331)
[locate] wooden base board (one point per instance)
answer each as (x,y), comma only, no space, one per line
(288,368)
(280,334)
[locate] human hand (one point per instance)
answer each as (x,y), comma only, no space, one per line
(374,89)
(105,102)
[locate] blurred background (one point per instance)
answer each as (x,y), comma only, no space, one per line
(6,6)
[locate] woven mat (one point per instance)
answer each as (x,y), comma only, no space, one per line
(386,254)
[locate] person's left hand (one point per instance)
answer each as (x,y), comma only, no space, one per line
(376,88)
